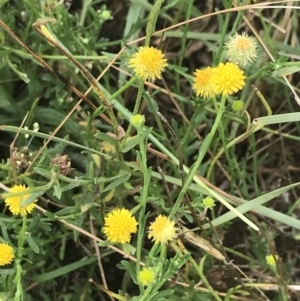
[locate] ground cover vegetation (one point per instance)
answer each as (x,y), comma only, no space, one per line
(149,150)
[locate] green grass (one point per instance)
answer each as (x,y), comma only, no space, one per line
(187,149)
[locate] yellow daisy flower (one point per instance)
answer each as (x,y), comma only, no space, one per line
(6,254)
(204,85)
(119,225)
(14,203)
(146,276)
(162,230)
(148,63)
(241,49)
(228,78)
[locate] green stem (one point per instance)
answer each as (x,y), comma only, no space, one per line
(152,20)
(14,129)
(151,254)
(196,179)
(147,178)
(39,189)
(203,278)
(113,119)
(264,102)
(22,238)
(18,279)
(241,137)
(154,287)
(135,111)
(203,150)
(223,34)
(191,126)
(84,10)
(123,88)
(163,251)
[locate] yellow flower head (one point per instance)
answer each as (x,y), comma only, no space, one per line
(209,202)
(119,225)
(204,82)
(229,78)
(241,49)
(6,254)
(148,63)
(162,230)
(146,276)
(15,203)
(106,15)
(137,120)
(271,260)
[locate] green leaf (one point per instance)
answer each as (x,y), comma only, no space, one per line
(105,137)
(65,211)
(62,250)
(64,270)
(276,119)
(104,243)
(50,215)
(45,225)
(130,268)
(33,245)
(123,178)
(57,190)
(256,203)
(96,113)
(70,186)
(32,197)
(43,170)
(162,294)
(130,143)
(285,71)
(151,104)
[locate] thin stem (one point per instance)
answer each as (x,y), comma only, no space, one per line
(21,240)
(223,34)
(196,179)
(203,278)
(199,270)
(84,10)
(143,202)
(123,88)
(203,150)
(135,111)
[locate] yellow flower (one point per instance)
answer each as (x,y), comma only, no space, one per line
(148,63)
(137,120)
(209,202)
(241,49)
(15,203)
(119,224)
(105,15)
(146,276)
(271,260)
(229,78)
(162,230)
(204,82)
(6,254)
